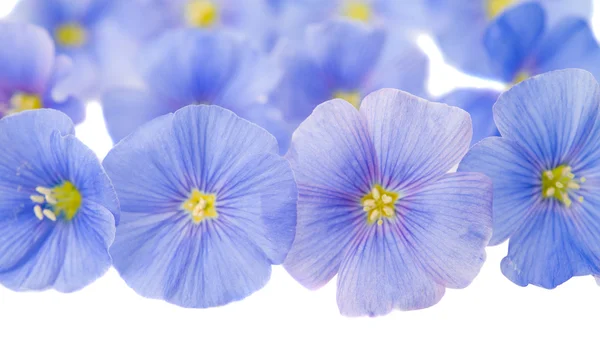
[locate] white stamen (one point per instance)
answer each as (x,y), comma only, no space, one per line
(386,198)
(380,222)
(375,193)
(50,199)
(38,212)
(369,203)
(374,215)
(573,185)
(50,215)
(37,198)
(388,211)
(198,209)
(42,190)
(549,175)
(559,185)
(550,192)
(566,171)
(582,179)
(580,199)
(201,203)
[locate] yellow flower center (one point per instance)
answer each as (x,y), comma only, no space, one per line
(200,206)
(24,101)
(201,13)
(379,204)
(496,7)
(70,35)
(357,10)
(63,200)
(352,98)
(559,183)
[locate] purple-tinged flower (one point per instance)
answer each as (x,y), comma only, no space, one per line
(58,210)
(460,26)
(86,32)
(546,174)
(519,45)
(347,60)
(31,73)
(193,66)
(207,207)
(377,207)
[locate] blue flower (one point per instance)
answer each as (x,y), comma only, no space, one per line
(519,46)
(347,60)
(58,210)
(83,31)
(460,26)
(191,66)
(207,207)
(546,171)
(377,207)
(400,15)
(149,18)
(31,74)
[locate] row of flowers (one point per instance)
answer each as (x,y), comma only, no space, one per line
(273,61)
(197,205)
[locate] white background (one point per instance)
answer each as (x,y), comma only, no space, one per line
(493,320)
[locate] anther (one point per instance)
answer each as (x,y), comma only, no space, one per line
(550,192)
(386,198)
(37,198)
(44,191)
(37,210)
(369,203)
(388,211)
(580,199)
(50,215)
(573,185)
(582,179)
(50,199)
(559,185)
(549,174)
(374,215)
(375,193)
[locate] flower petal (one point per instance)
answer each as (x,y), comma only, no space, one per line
(478,103)
(28,65)
(550,115)
(65,256)
(448,224)
(379,273)
(332,150)
(515,177)
(127,109)
(416,140)
(545,251)
(570,44)
(166,257)
(510,38)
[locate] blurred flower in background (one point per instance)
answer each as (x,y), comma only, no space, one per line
(348,60)
(193,66)
(84,31)
(31,75)
(519,44)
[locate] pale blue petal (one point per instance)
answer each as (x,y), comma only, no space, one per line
(516,180)
(447,225)
(27,67)
(416,141)
(512,36)
(167,257)
(332,150)
(570,44)
(550,115)
(65,256)
(127,109)
(478,103)
(380,273)
(557,10)
(545,251)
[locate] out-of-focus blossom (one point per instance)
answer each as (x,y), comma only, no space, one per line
(377,206)
(58,210)
(519,46)
(31,74)
(84,31)
(546,173)
(194,66)
(460,26)
(208,206)
(147,19)
(396,15)
(347,60)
